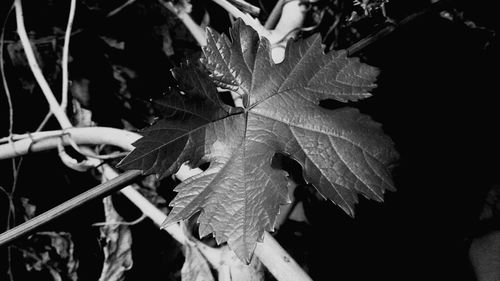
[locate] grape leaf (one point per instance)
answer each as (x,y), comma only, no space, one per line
(342,152)
(186,112)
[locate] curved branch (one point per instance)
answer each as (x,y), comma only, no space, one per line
(88,135)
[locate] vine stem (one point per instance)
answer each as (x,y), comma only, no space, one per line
(35,68)
(42,141)
(65,54)
(247,7)
(274,16)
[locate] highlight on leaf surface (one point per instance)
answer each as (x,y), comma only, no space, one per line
(343,153)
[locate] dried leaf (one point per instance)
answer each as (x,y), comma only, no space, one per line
(117,248)
(52,252)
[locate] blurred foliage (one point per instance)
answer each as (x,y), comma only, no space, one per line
(50,254)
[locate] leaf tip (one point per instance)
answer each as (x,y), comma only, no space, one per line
(168,222)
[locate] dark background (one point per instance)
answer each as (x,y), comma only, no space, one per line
(436,97)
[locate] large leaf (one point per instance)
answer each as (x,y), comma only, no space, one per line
(175,139)
(342,152)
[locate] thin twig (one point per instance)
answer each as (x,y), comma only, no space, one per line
(15,174)
(11,215)
(44,122)
(64,62)
(10,208)
(2,71)
(4,191)
(120,8)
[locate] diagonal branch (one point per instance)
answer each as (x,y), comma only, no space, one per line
(96,192)
(35,68)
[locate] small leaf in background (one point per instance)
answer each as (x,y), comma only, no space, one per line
(343,153)
(195,266)
(491,206)
(29,209)
(51,252)
(149,189)
(164,31)
(113,43)
(117,245)
(20,64)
